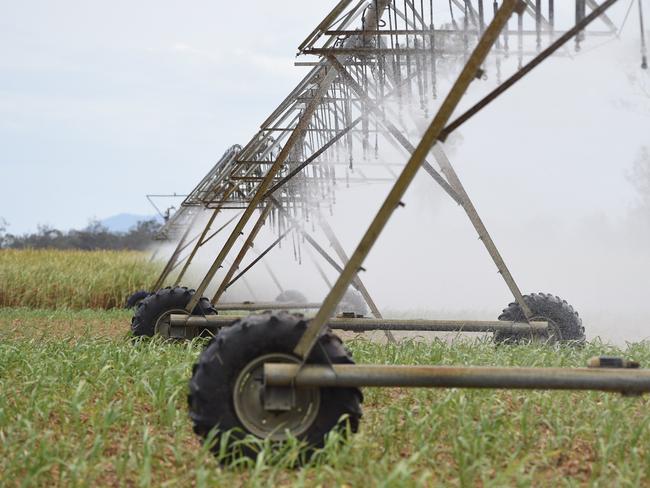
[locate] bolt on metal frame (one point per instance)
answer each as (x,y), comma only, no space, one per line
(471,68)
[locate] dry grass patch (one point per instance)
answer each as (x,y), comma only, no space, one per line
(72,279)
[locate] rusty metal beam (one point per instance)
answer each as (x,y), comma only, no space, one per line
(391,128)
(480,228)
(312,158)
(248,243)
(469,72)
(305,118)
(563,39)
(259,258)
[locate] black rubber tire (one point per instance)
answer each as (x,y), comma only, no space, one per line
(135,298)
(211,388)
(291,296)
(564,318)
(151,308)
(352,302)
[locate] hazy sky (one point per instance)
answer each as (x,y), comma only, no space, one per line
(104,102)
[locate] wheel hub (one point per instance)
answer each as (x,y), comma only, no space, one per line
(163,326)
(248,399)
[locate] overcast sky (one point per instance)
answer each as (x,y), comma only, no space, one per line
(104,102)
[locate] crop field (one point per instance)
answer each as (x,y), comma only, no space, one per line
(339,193)
(71,279)
(82,405)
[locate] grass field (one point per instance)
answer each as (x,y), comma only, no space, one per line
(81,405)
(71,279)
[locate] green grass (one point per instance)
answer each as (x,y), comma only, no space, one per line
(72,279)
(81,405)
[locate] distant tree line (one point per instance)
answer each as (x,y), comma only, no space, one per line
(94,236)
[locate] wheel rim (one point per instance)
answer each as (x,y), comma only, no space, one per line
(163,325)
(265,424)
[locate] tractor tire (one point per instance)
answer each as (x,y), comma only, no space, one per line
(565,322)
(164,301)
(135,298)
(215,389)
(291,296)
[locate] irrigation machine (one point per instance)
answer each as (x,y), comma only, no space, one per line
(379,68)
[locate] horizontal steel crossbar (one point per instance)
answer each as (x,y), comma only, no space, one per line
(261,306)
(617,380)
(365,324)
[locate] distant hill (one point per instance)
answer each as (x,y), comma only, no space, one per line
(124,221)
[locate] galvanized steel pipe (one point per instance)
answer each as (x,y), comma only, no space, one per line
(629,381)
(365,325)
